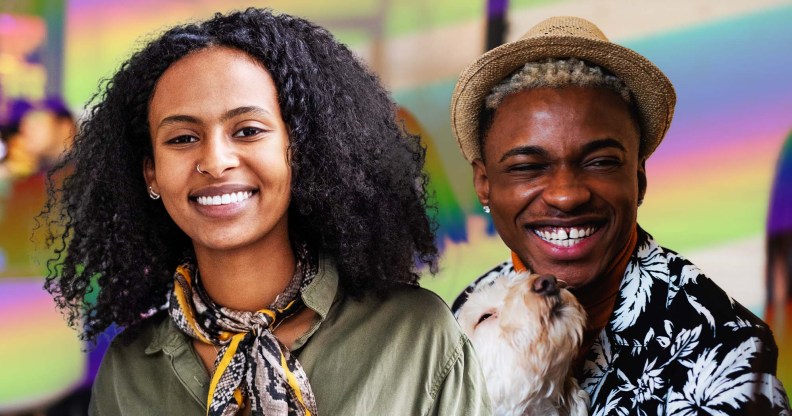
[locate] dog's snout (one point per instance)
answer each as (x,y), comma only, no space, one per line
(546,285)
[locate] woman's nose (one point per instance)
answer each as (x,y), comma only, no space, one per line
(219,155)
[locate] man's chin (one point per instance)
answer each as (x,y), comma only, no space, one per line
(575,276)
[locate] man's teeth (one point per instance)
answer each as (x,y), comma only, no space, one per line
(224,199)
(564,237)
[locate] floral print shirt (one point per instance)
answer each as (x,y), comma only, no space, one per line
(675,344)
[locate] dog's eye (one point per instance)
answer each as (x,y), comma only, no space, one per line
(483,318)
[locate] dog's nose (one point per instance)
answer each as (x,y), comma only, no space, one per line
(545,285)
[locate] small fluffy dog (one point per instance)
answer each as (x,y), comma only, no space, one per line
(526,330)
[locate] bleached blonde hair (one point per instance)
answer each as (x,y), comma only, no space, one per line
(556,73)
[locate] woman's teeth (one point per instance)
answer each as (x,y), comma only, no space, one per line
(564,237)
(224,199)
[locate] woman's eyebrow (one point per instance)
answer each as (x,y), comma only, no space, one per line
(179,118)
(245,110)
(183,118)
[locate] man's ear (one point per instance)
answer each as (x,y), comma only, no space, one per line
(149,173)
(641,181)
(481,181)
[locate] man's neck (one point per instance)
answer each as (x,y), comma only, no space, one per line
(599,297)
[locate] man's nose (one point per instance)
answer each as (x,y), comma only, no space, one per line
(565,191)
(219,155)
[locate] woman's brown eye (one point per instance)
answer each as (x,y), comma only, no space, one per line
(185,138)
(248,131)
(483,318)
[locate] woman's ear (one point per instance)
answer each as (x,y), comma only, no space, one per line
(149,173)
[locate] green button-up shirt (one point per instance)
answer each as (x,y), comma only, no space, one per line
(404,355)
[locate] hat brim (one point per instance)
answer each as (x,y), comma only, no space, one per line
(653,93)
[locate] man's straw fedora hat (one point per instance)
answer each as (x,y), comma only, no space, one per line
(563,37)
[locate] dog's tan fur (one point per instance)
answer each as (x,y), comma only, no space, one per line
(526,346)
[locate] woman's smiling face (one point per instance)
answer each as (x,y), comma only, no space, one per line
(218,108)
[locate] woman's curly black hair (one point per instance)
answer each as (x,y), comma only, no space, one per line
(359,193)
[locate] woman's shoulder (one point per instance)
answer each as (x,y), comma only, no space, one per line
(132,349)
(419,305)
(415,315)
(135,341)
(153,360)
(405,310)
(407,342)
(418,296)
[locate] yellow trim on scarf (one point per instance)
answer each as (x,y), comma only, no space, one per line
(293,383)
(185,272)
(185,307)
(221,367)
(273,315)
(238,397)
(269,313)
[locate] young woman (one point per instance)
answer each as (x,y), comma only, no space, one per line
(245,205)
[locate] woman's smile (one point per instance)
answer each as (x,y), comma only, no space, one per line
(224,199)
(224,204)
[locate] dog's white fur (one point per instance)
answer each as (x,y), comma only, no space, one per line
(526,346)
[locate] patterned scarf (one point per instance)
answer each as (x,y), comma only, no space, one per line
(251,362)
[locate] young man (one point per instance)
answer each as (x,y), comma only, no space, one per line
(558,126)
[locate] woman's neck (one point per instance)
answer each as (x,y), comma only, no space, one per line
(249,279)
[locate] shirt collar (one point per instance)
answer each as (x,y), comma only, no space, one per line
(648,267)
(321,292)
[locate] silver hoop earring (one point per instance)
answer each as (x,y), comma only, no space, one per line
(486,209)
(153,194)
(198,169)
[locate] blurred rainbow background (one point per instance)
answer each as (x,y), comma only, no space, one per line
(709,182)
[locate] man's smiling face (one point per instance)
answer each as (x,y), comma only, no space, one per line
(562,176)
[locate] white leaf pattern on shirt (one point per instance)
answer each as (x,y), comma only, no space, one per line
(596,369)
(712,383)
(637,285)
(702,310)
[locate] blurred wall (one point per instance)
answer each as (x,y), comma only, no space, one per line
(708,182)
